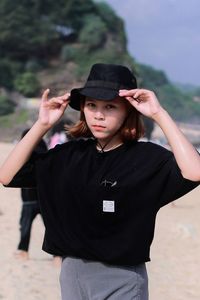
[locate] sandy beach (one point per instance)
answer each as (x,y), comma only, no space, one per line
(173,272)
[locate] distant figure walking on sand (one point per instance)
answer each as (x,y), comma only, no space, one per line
(30,209)
(58,135)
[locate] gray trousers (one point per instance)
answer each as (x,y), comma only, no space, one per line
(81,279)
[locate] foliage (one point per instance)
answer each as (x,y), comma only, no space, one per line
(68,53)
(151,78)
(74,10)
(21,38)
(6,106)
(177,103)
(34,65)
(197,92)
(110,56)
(8,70)
(113,22)
(5,74)
(27,84)
(93,33)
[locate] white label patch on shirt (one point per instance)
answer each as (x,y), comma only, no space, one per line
(108,206)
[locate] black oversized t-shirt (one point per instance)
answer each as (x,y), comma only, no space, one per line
(102,206)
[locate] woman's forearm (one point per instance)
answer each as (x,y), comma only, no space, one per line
(21,153)
(185,154)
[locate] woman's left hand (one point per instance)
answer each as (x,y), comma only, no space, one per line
(144,101)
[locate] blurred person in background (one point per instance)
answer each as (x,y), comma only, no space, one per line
(57,135)
(30,209)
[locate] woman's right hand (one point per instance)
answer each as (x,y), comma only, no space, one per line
(51,110)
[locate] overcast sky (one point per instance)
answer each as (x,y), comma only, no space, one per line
(164,34)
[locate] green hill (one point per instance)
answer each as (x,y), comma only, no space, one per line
(47,43)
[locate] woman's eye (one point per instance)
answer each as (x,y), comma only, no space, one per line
(90,104)
(110,106)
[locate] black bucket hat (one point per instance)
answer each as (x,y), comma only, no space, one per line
(103,83)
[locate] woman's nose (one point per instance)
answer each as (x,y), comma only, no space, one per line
(99,115)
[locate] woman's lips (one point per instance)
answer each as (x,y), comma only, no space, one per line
(98,127)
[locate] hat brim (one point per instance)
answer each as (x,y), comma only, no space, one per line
(93,92)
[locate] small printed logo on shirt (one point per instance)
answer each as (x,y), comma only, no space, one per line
(108,206)
(108,183)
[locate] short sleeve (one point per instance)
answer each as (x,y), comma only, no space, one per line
(174,184)
(29,174)
(26,176)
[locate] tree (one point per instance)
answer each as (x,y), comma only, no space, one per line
(27,84)
(151,77)
(24,33)
(93,27)
(6,106)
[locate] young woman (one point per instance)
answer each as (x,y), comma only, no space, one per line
(99,195)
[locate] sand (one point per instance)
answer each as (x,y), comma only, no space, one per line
(173,272)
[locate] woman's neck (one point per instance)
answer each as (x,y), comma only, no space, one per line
(108,145)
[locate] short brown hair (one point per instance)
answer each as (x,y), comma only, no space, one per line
(132,129)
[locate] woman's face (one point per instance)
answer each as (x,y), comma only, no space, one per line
(104,118)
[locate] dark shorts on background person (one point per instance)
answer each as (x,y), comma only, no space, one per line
(82,279)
